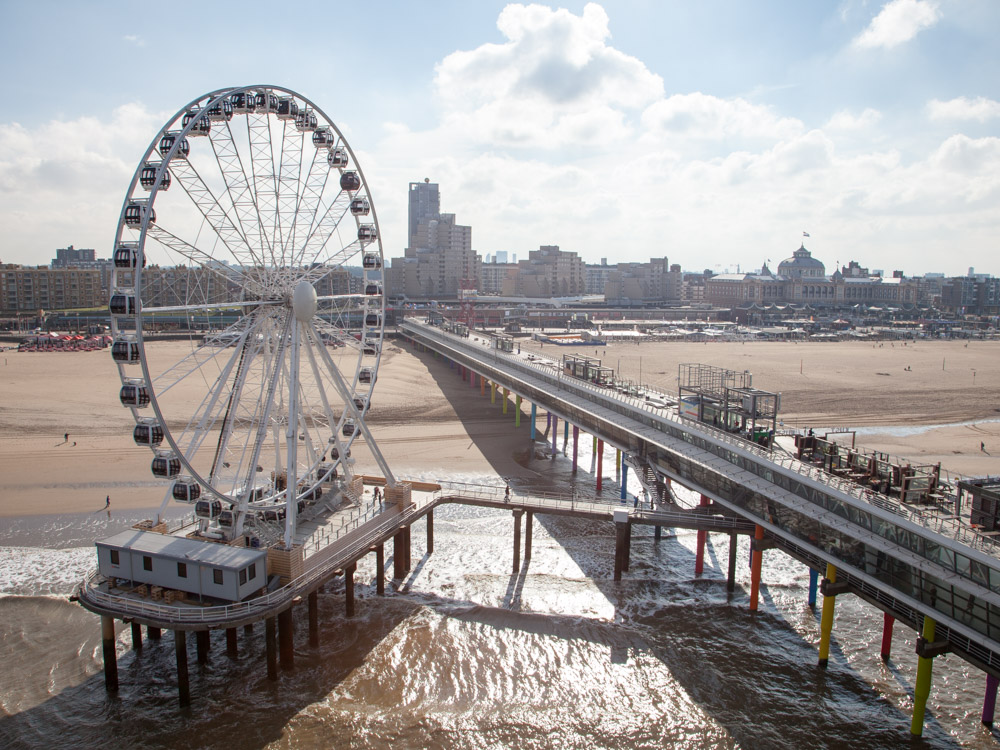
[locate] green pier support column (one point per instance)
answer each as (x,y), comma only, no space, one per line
(517,411)
(922,688)
(826,619)
(506,397)
(565,435)
(534,415)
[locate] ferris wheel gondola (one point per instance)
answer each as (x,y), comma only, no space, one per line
(265,257)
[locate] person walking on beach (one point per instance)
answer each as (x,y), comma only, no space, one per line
(982,446)
(107,502)
(66,437)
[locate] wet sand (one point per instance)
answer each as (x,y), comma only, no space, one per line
(426,419)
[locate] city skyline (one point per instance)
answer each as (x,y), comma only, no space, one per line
(711,135)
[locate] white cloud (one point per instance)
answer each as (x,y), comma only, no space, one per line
(554,81)
(64,181)
(898,22)
(138,41)
(980,109)
(847,121)
(701,116)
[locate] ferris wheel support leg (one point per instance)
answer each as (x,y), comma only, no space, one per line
(291,487)
(344,391)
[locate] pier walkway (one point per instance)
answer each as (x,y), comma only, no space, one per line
(919,565)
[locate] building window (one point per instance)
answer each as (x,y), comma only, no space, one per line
(253,570)
(243,576)
(114,557)
(182,570)
(147,562)
(217,575)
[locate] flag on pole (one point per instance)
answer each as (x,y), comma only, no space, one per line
(805,234)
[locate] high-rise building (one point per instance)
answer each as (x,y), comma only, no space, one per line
(425,204)
(439,259)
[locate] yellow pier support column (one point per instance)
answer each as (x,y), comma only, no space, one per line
(922,688)
(826,619)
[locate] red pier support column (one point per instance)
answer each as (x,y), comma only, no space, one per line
(758,555)
(887,623)
(699,559)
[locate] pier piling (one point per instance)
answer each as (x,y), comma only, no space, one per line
(756,558)
(349,588)
(232,649)
(731,574)
(152,633)
(517,541)
(887,622)
(313,600)
(110,656)
(183,684)
(136,636)
(286,650)
(271,641)
(380,570)
(990,700)
(826,619)
(529,517)
(201,645)
(430,532)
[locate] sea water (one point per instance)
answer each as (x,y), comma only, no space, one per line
(465,654)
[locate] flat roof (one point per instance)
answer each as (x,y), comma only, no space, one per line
(183,549)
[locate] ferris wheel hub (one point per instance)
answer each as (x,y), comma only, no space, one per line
(304,301)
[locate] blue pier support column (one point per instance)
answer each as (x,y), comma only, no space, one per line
(813,585)
(624,480)
(555,431)
(534,415)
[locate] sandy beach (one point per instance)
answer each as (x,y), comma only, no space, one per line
(425,419)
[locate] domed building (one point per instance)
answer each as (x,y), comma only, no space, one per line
(802,266)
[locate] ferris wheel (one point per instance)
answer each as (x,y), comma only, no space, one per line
(248,309)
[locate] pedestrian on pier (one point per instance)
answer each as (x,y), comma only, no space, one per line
(506,494)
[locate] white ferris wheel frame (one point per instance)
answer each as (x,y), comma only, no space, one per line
(272,321)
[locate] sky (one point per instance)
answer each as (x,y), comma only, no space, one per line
(715,133)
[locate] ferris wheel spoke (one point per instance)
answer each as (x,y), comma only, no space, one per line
(230,164)
(216,216)
(271,376)
(308,203)
(347,395)
(211,409)
(265,187)
(194,255)
(195,363)
(323,229)
(289,184)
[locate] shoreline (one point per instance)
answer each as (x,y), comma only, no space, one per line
(426,419)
